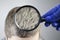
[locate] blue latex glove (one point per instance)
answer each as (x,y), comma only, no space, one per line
(53,17)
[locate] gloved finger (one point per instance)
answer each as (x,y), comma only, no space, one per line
(55,24)
(52,11)
(47,24)
(58,28)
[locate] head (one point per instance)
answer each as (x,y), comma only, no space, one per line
(11,29)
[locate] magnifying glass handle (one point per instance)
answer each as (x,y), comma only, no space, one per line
(42,20)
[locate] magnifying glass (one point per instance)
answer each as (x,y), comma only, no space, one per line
(27,18)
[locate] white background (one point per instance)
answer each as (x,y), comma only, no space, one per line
(42,5)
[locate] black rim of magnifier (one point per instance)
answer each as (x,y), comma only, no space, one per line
(40,19)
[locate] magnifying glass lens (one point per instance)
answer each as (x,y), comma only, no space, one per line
(27,18)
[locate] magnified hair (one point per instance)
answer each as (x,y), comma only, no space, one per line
(26,18)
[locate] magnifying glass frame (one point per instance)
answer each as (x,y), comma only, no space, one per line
(40,19)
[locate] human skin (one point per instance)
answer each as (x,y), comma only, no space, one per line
(35,37)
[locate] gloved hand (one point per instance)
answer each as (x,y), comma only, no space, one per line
(53,17)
